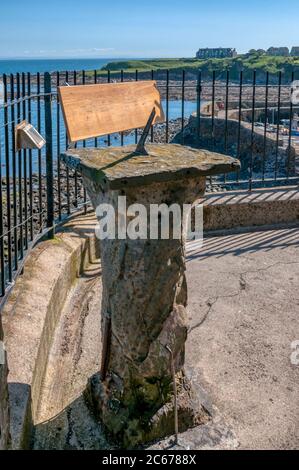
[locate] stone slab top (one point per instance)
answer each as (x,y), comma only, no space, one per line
(119,167)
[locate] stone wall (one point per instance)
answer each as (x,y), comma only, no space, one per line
(4,414)
(280,160)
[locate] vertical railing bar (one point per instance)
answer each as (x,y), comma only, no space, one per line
(226,117)
(239,121)
(136,132)
(121,134)
(278,125)
(25,164)
(199,90)
(95,80)
(167,107)
(252,129)
(14,181)
(20,185)
(108,81)
(183,106)
(58,163)
(265,125)
(74,77)
(152,127)
(7,164)
(213,116)
(49,153)
(30,159)
(66,167)
(290,126)
(2,254)
(75,173)
(40,181)
(213,111)
(84,145)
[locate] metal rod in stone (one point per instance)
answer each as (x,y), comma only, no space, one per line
(140,149)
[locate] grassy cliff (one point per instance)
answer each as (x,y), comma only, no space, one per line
(262,63)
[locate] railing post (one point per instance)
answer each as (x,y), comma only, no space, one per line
(49,153)
(198,106)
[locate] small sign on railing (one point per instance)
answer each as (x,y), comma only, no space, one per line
(27,137)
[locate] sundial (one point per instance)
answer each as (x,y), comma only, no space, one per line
(141,392)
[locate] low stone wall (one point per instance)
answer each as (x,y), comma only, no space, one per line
(4,411)
(259,112)
(32,313)
(238,210)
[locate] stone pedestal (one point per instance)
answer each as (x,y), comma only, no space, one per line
(144,318)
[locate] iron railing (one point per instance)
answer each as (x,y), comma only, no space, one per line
(237,117)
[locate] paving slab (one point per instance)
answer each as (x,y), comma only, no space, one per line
(243,306)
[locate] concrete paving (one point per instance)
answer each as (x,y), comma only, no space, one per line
(244,315)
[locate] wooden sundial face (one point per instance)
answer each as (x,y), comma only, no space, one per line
(95,110)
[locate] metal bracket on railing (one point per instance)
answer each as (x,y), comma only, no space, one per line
(140,149)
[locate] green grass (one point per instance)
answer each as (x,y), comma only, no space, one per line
(148,65)
(262,63)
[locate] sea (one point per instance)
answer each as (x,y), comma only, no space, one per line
(50,65)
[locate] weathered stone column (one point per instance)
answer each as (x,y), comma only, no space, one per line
(144,318)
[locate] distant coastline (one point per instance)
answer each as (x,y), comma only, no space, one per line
(51,65)
(248,63)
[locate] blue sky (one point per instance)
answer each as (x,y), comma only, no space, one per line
(140,28)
